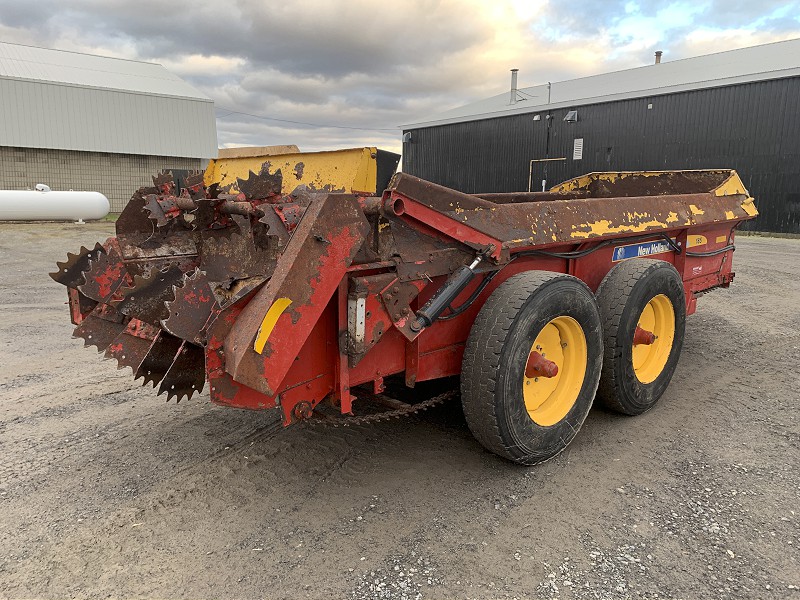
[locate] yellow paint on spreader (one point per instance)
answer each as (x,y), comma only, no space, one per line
(721,238)
(605,227)
(268,324)
(696,240)
(749,207)
(732,186)
(696,210)
(351,170)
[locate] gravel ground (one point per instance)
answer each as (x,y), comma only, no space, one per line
(105,491)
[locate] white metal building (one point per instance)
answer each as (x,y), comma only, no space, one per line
(84,122)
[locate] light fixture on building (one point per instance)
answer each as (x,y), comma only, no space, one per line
(407,137)
(571,117)
(537,117)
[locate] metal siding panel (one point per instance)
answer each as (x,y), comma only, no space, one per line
(6,131)
(53,116)
(119,106)
(24,126)
(35,100)
(122,123)
(24,104)
(85,136)
(57,121)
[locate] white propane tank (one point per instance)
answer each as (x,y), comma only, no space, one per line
(47,205)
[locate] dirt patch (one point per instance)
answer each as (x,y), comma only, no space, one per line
(107,491)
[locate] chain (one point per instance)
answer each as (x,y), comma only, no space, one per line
(395,413)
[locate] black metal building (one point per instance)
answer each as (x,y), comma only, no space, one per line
(746,121)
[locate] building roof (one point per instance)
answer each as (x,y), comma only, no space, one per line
(72,101)
(87,70)
(758,63)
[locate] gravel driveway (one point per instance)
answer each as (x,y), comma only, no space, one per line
(105,490)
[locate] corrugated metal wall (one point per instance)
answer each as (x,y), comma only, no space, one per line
(58,116)
(753,128)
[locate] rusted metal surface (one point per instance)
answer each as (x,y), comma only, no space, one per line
(547,224)
(367,318)
(164,182)
(105,275)
(303,410)
(131,346)
(642,336)
(289,300)
(262,185)
(665,183)
(147,295)
(516,197)
(310,269)
(159,358)
(100,327)
(539,366)
(186,375)
(70,272)
(79,305)
(427,207)
(397,298)
(191,308)
(236,256)
(145,246)
(289,214)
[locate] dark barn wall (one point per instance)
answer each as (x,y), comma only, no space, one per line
(753,128)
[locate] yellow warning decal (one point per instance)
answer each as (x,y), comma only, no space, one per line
(268,324)
(696,240)
(721,239)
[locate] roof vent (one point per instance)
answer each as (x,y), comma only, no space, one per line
(513,99)
(658,56)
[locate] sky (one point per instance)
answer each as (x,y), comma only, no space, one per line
(326,75)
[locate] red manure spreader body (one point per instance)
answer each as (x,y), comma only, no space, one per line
(309,301)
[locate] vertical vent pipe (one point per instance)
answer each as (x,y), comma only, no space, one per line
(513,98)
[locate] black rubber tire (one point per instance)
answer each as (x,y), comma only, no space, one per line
(496,353)
(621,297)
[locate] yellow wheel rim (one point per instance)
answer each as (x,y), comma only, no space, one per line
(549,399)
(649,360)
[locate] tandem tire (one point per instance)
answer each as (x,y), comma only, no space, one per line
(637,298)
(531,366)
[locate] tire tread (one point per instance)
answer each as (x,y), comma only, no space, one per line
(482,356)
(612,297)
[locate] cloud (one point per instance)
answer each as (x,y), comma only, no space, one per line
(375,65)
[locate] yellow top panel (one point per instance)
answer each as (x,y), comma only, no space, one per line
(351,170)
(721,182)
